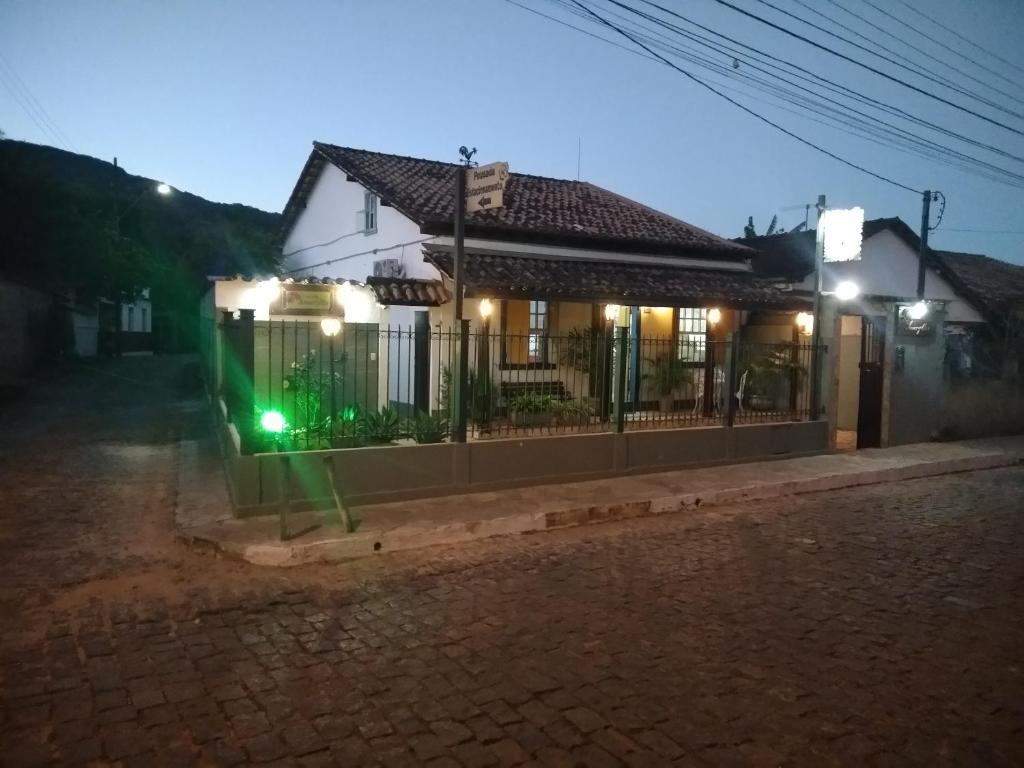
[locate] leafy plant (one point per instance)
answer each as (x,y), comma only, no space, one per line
(530,402)
(767,374)
(309,383)
(383,426)
(668,373)
(581,346)
(429,427)
(483,396)
(572,411)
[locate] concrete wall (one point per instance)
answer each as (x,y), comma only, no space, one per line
(27,331)
(916,389)
(370,475)
(849,373)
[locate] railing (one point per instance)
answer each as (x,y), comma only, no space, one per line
(377,386)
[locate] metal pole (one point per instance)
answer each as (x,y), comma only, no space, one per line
(334,405)
(819,268)
(922,256)
(462,377)
(286,496)
(620,378)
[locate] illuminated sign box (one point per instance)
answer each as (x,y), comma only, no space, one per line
(842,231)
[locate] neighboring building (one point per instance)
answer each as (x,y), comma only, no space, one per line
(889,382)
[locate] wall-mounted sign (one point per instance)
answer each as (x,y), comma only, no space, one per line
(301,299)
(485,187)
(842,231)
(907,325)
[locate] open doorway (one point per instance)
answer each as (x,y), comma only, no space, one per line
(861,355)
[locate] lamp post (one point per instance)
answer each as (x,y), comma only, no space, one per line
(713,317)
(483,366)
(163,189)
(330,327)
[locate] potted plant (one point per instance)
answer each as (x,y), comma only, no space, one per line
(767,377)
(531,410)
(667,374)
(381,427)
(572,412)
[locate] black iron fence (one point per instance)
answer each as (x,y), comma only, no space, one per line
(299,385)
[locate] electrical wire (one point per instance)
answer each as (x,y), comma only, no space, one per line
(901,41)
(987,231)
(888,134)
(48,125)
(868,67)
(803,74)
(372,251)
(956,34)
(942,209)
(746,109)
(329,242)
(914,70)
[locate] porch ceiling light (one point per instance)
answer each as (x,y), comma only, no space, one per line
(847,290)
(917,311)
(611,312)
(805,323)
(714,316)
(330,326)
(486,308)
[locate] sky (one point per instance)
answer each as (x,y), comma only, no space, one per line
(224,99)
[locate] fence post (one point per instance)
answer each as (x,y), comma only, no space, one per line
(286,496)
(245,355)
(621,364)
(461,383)
(732,377)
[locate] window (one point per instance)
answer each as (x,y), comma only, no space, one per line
(369,213)
(538,348)
(131,318)
(692,330)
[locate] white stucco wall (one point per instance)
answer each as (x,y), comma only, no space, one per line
(888,267)
(138,315)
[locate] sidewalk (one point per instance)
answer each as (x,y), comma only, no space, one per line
(204,511)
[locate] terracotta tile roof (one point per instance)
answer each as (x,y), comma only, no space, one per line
(996,287)
(537,209)
(409,291)
(614,281)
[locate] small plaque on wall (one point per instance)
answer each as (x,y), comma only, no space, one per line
(908,326)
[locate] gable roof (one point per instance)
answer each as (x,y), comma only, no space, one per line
(995,287)
(537,209)
(790,255)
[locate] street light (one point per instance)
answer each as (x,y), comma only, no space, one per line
(917,311)
(331,327)
(847,290)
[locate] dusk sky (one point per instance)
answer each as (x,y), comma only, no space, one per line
(223,99)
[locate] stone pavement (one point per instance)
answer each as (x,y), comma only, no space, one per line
(204,519)
(881,625)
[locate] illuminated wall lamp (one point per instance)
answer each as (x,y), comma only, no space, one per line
(330,326)
(714,316)
(611,312)
(486,308)
(805,323)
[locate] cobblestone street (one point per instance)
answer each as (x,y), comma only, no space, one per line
(873,626)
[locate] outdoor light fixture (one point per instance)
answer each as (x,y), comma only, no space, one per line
(330,326)
(486,308)
(163,188)
(273,422)
(714,316)
(611,312)
(847,290)
(356,303)
(805,323)
(917,311)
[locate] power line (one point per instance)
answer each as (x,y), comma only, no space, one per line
(868,67)
(987,231)
(905,136)
(887,134)
(394,247)
(805,74)
(50,126)
(902,41)
(956,34)
(323,245)
(912,68)
(746,109)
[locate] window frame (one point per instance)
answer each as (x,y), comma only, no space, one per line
(694,337)
(537,334)
(369,213)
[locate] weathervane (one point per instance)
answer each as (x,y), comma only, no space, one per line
(467,156)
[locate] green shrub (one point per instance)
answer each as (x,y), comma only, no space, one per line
(383,426)
(430,427)
(530,402)
(572,411)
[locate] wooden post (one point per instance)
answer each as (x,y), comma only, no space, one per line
(462,371)
(339,504)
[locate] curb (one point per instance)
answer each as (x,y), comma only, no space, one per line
(370,542)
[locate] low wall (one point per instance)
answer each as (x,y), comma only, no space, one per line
(395,473)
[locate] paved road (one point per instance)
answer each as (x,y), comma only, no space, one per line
(876,626)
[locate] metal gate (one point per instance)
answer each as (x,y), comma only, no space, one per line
(869,407)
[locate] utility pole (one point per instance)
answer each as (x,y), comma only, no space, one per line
(819,269)
(462,377)
(926,205)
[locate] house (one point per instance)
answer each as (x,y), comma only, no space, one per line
(549,262)
(615,337)
(890,367)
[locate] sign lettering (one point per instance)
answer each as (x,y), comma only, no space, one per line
(485,187)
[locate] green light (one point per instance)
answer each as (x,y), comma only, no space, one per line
(272,421)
